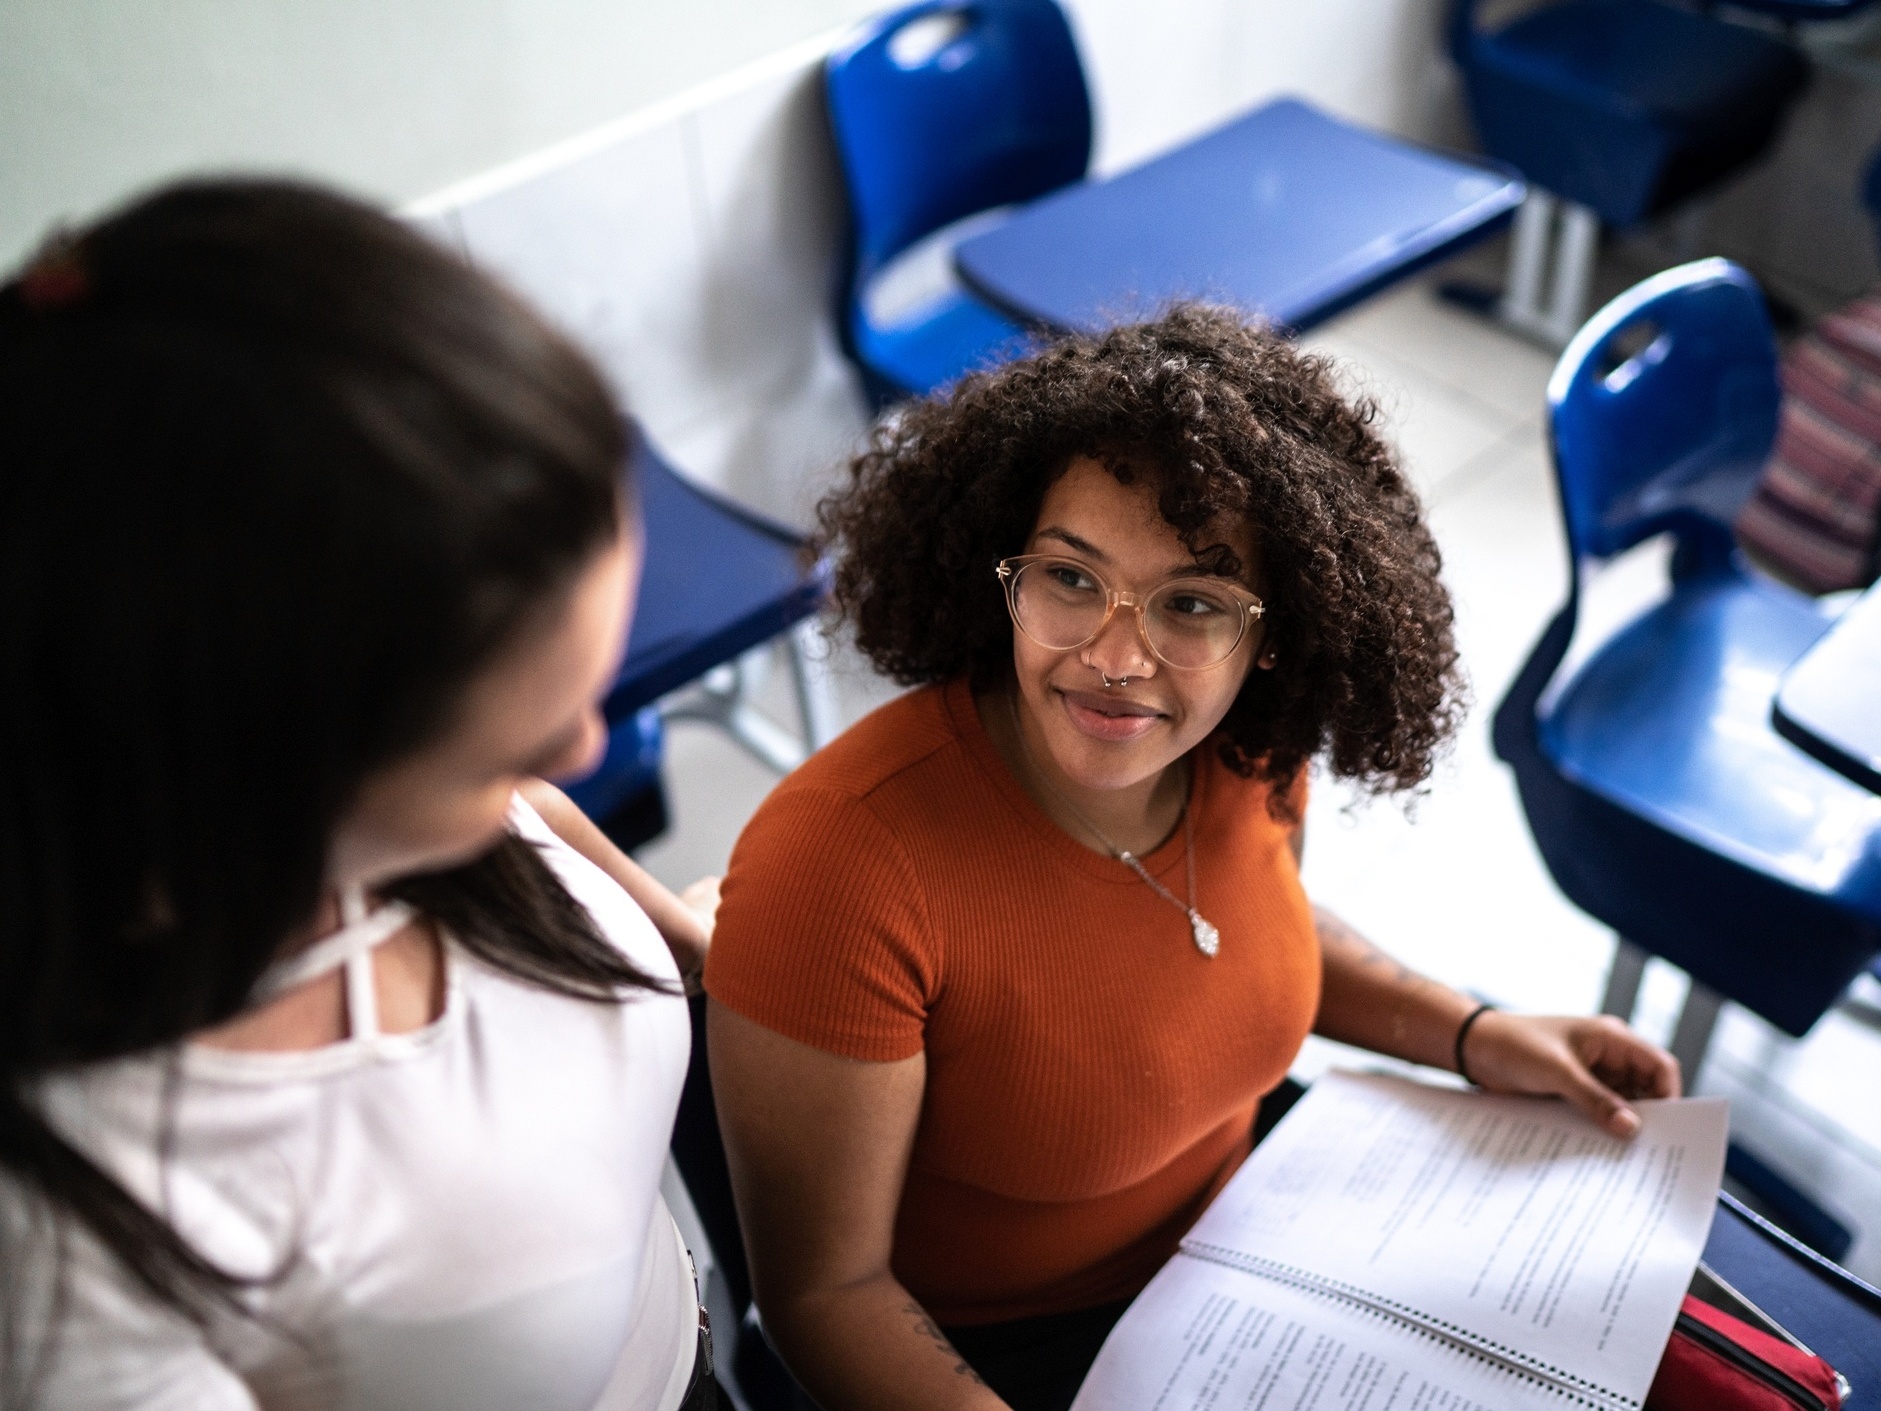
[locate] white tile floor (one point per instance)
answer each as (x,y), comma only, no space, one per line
(1454,885)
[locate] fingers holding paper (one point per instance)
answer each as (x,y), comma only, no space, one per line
(1596,1063)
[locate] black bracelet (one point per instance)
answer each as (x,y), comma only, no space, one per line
(1462,1033)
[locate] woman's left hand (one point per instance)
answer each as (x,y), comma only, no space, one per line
(1596,1063)
(684,921)
(689,936)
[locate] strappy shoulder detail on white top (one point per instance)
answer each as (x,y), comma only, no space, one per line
(360,933)
(464,1216)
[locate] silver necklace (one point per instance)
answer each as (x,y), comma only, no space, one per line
(1207,938)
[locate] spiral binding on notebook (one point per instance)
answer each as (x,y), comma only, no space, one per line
(1570,1388)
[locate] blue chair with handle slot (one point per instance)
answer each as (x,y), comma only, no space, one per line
(1616,110)
(717,581)
(942,110)
(1660,797)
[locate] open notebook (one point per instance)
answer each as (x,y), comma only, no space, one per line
(1398,1247)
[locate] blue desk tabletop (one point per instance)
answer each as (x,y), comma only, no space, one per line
(1839,1318)
(1829,701)
(717,580)
(1285,210)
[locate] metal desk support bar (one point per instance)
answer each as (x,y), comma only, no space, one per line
(722,697)
(1575,245)
(1691,1035)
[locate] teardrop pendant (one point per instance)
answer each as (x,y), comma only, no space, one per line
(1207,938)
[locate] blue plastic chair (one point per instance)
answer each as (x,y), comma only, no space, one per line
(1620,109)
(1624,106)
(1804,11)
(717,582)
(1659,795)
(1871,195)
(941,110)
(624,792)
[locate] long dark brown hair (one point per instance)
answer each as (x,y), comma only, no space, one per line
(277,478)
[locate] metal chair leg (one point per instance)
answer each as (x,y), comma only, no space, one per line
(1623,977)
(1528,261)
(808,654)
(1691,1036)
(722,697)
(771,743)
(1574,253)
(1568,274)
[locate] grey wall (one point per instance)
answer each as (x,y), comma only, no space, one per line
(689,246)
(652,172)
(391,97)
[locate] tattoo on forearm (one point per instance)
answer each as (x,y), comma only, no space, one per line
(1405,1009)
(927,1328)
(1337,937)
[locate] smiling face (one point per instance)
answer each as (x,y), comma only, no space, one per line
(1108,738)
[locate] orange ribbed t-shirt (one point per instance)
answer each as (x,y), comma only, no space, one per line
(1091,1076)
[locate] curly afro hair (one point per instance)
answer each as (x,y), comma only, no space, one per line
(1225,419)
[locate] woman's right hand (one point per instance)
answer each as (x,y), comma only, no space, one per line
(819,1150)
(1594,1061)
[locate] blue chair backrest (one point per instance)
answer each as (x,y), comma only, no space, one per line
(1664,409)
(1871,191)
(949,107)
(1460,28)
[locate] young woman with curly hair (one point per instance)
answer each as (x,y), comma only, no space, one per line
(1002,976)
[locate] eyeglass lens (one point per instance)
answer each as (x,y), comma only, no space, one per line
(1190,623)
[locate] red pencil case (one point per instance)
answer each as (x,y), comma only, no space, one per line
(1715,1362)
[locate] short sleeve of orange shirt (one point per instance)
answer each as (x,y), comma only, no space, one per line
(1091,1076)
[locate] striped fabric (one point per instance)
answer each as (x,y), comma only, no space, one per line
(1814,515)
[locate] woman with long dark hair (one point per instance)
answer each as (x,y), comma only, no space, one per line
(338,1054)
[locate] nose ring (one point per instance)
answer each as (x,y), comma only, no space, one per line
(1110,685)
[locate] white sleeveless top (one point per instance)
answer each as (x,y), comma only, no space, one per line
(466,1216)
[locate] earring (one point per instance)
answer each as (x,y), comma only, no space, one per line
(1267,661)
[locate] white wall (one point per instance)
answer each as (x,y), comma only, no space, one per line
(1165,71)
(655,175)
(690,246)
(390,97)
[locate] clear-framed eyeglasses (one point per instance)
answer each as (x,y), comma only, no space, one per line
(1187,623)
